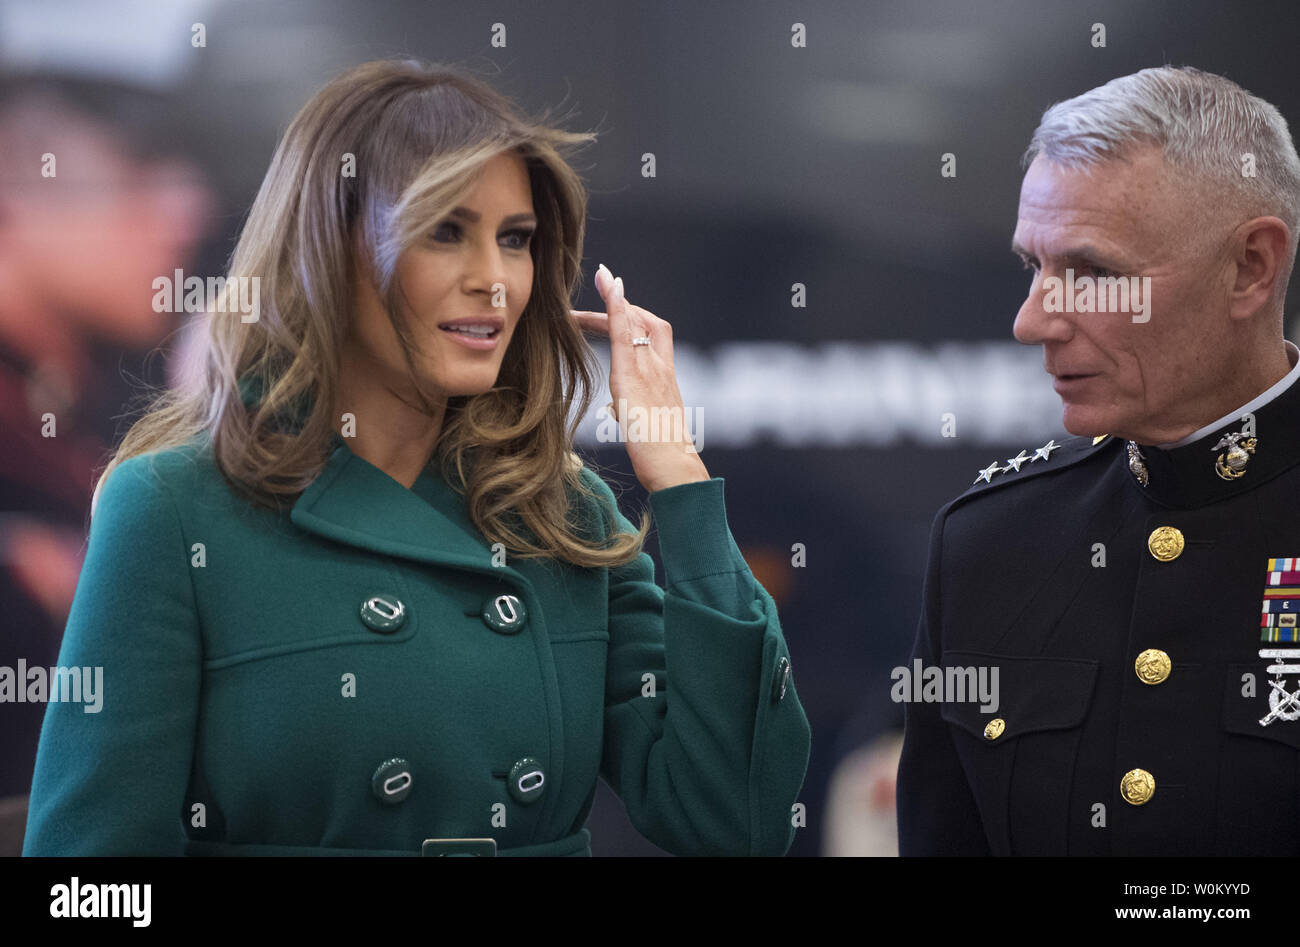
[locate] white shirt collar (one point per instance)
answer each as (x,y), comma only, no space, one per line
(1293,353)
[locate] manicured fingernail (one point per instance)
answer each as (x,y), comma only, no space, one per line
(602,266)
(618,286)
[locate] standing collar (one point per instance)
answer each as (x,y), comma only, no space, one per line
(1208,466)
(1254,404)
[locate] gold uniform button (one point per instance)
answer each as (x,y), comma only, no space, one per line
(994,728)
(1152,666)
(1137,787)
(1166,543)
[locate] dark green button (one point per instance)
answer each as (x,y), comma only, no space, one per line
(383,613)
(392,781)
(526,780)
(505,613)
(780,678)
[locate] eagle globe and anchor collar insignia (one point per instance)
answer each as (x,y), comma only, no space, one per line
(1232,464)
(1137,464)
(1219,464)
(1278,624)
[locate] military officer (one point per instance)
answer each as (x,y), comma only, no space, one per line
(1135,586)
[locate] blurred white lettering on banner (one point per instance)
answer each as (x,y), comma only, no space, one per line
(862,394)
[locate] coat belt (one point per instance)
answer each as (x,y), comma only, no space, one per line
(577,844)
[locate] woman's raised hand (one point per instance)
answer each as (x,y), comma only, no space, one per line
(643,383)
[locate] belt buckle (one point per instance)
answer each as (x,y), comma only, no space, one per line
(458,846)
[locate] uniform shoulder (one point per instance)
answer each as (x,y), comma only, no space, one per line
(1033,462)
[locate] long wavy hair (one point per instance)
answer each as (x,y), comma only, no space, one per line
(265,391)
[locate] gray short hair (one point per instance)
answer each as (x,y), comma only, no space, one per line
(1203,123)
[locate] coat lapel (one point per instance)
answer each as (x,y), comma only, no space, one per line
(352,501)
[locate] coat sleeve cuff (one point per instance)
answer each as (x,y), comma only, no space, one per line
(694,538)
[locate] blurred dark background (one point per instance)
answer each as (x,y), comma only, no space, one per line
(775,165)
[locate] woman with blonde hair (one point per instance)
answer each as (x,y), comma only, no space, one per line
(351,589)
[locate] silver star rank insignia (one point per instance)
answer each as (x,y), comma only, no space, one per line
(1045,452)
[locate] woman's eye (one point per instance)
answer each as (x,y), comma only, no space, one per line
(518,239)
(1029,266)
(448,232)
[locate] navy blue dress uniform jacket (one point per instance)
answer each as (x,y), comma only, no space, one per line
(1135,713)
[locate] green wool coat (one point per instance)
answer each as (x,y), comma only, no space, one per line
(354,675)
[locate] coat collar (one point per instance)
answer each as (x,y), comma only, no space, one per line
(1186,477)
(354,502)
